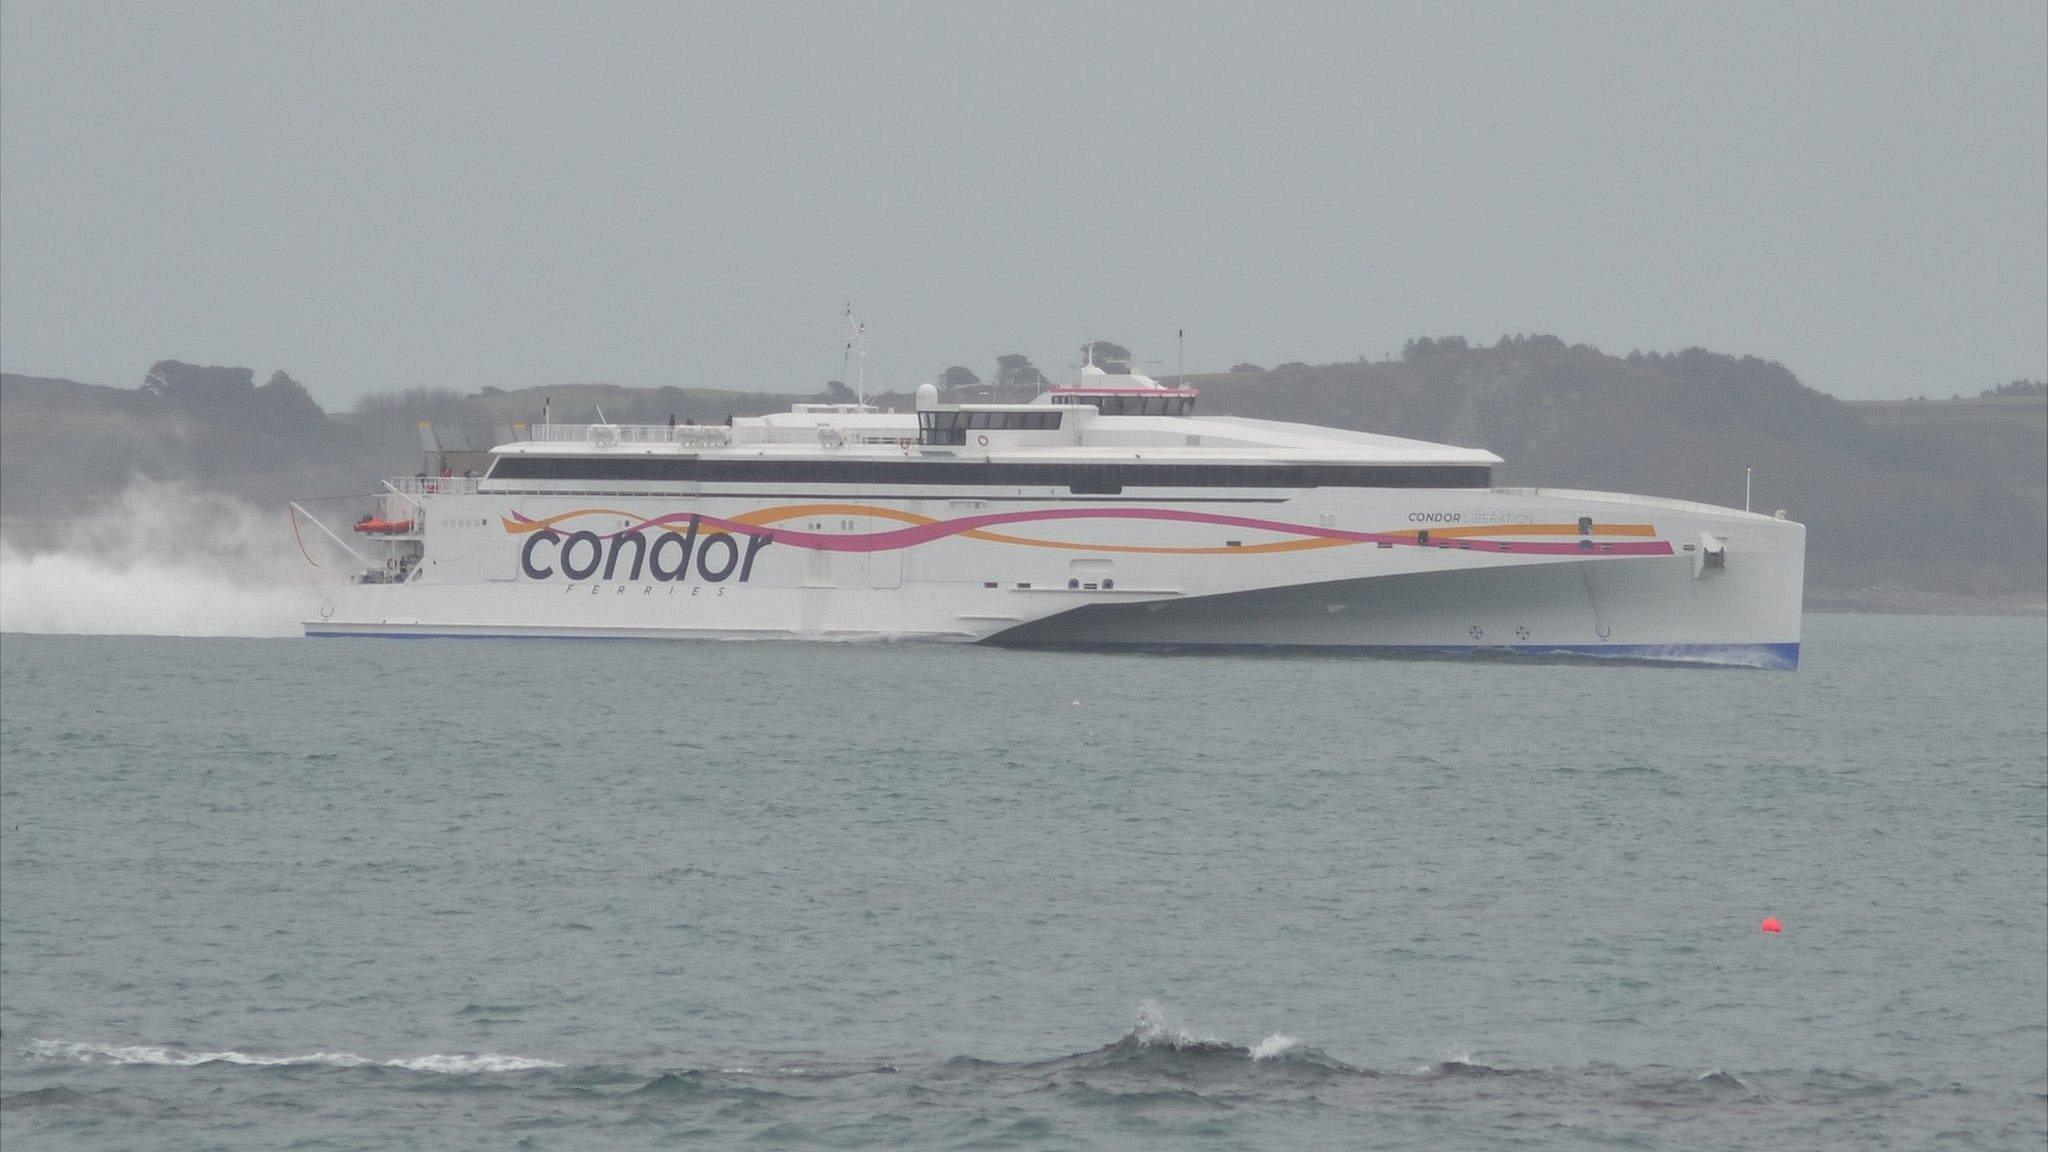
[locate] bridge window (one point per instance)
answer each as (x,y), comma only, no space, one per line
(952,427)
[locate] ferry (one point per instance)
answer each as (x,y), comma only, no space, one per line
(1104,514)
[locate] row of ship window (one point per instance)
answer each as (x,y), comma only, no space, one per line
(1138,405)
(1082,479)
(958,421)
(953,427)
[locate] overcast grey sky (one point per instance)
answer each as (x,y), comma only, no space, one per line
(374,196)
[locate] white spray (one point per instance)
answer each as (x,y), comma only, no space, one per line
(166,560)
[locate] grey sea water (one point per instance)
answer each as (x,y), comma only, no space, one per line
(353,894)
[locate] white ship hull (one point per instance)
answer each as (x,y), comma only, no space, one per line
(1397,570)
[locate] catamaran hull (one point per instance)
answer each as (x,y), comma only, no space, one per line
(1649,610)
(1504,572)
(1621,612)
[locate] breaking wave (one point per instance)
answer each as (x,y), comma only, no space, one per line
(170,1057)
(1157,1038)
(1156,1029)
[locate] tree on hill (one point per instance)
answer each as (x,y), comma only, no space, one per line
(2019,388)
(1532,340)
(231,395)
(838,393)
(1423,347)
(958,377)
(1015,370)
(284,400)
(1108,355)
(183,383)
(1246,368)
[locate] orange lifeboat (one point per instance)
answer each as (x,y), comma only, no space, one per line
(378,526)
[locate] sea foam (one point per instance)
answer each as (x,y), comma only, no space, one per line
(1155,1028)
(1273,1046)
(169,1057)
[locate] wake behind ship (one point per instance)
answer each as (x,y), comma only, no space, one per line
(1105,514)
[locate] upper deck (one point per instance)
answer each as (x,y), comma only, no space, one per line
(1100,436)
(1064,424)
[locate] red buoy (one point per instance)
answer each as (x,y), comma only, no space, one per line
(1771,924)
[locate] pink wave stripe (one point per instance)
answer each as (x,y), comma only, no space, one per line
(913,535)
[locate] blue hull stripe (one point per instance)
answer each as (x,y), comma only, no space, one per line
(1776,657)
(1783,657)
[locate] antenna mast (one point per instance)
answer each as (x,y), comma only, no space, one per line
(857,351)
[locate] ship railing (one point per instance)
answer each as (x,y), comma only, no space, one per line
(414,487)
(687,435)
(1631,498)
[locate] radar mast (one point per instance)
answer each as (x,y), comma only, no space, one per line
(857,351)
